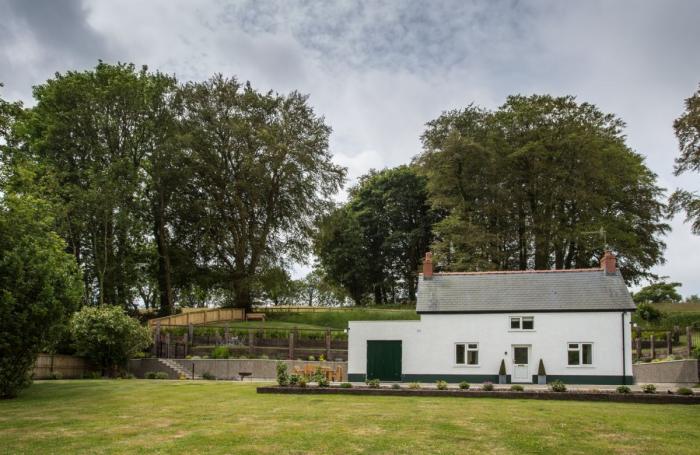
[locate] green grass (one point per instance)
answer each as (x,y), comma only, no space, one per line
(138,416)
(339,319)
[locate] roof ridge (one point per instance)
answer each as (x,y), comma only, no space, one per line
(518,272)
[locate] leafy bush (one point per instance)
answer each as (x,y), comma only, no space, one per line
(322,381)
(294,379)
(150,375)
(557,386)
(648,312)
(92,375)
(264,357)
(302,381)
(649,388)
(684,391)
(464,385)
(373,383)
(502,368)
(487,386)
(311,358)
(517,388)
(107,336)
(39,287)
(395,386)
(346,385)
(282,374)
(162,375)
(55,375)
(695,353)
(126,375)
(623,389)
(441,385)
(414,385)
(208,376)
(221,352)
(182,377)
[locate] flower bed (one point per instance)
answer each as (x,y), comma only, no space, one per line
(611,396)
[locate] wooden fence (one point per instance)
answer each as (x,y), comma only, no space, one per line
(203,316)
(649,344)
(320,309)
(68,366)
(252,344)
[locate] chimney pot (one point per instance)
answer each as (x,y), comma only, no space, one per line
(428,266)
(609,262)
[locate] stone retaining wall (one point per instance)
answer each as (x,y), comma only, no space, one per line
(229,368)
(672,371)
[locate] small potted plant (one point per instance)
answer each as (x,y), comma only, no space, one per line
(502,379)
(541,374)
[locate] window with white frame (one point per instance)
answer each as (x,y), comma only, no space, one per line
(580,354)
(522,323)
(467,353)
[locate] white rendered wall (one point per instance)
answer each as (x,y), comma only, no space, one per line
(428,344)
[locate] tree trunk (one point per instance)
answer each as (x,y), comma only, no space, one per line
(241,288)
(165,288)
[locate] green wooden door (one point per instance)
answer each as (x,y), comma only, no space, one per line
(384,360)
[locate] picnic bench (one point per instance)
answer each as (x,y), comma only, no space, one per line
(255,317)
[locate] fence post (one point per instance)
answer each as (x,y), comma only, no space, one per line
(639,347)
(328,344)
(251,342)
(227,336)
(676,334)
(156,340)
(291,345)
(669,344)
(186,344)
(167,345)
(653,346)
(689,339)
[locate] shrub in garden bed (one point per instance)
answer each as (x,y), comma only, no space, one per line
(557,386)
(414,385)
(282,374)
(684,391)
(302,382)
(346,385)
(208,376)
(322,381)
(487,386)
(464,385)
(373,383)
(649,388)
(294,379)
(221,352)
(517,388)
(395,386)
(441,385)
(55,375)
(623,389)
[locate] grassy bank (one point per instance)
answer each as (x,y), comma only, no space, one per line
(339,319)
(223,417)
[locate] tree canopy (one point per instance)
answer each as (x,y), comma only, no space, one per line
(528,185)
(687,128)
(658,293)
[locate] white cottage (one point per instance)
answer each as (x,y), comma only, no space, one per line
(576,321)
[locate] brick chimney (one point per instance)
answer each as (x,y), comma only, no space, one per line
(428,266)
(609,262)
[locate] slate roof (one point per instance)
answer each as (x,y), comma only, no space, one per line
(526,291)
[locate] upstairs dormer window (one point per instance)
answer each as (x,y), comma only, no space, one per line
(522,323)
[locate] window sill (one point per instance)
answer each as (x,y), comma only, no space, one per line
(466,366)
(522,330)
(581,366)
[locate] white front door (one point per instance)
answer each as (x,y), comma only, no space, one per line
(521,364)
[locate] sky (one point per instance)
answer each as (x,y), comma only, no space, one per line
(378,71)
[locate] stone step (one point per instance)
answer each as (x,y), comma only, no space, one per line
(178,369)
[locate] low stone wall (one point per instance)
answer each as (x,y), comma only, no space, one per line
(229,368)
(672,371)
(69,366)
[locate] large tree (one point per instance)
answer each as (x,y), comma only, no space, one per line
(376,242)
(527,185)
(687,128)
(262,172)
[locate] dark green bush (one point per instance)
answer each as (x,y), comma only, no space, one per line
(373,383)
(517,388)
(208,376)
(464,385)
(557,386)
(487,386)
(395,386)
(162,375)
(150,375)
(322,381)
(294,379)
(684,391)
(55,375)
(623,389)
(346,385)
(540,369)
(502,368)
(302,381)
(282,374)
(441,385)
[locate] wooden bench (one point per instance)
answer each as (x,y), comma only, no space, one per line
(255,317)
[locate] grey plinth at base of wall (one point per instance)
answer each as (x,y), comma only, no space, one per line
(228,368)
(571,396)
(672,371)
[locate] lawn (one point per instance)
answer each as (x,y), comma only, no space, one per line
(339,319)
(136,416)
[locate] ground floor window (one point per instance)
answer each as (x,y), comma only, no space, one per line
(580,354)
(467,353)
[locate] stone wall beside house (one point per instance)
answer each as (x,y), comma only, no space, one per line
(671,372)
